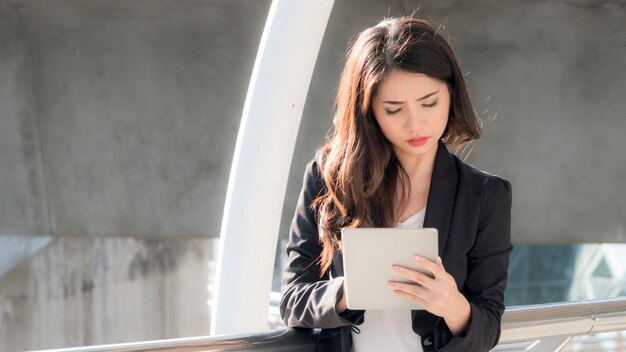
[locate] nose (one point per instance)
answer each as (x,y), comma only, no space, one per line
(416,119)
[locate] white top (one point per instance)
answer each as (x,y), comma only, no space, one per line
(389,330)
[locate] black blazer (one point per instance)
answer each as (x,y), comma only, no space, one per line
(472,212)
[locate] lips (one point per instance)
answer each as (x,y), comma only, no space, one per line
(417,142)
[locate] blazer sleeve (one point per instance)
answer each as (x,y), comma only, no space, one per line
(309,300)
(487,276)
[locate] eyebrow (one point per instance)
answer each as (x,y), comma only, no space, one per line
(393,102)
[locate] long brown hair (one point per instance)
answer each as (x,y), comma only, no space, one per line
(357,164)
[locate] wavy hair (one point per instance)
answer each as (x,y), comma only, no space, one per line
(357,164)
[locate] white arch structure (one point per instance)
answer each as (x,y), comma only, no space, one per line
(260,169)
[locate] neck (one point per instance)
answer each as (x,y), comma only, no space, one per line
(418,166)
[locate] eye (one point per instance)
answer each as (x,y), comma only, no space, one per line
(430,105)
(391,112)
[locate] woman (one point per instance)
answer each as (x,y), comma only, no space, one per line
(401,101)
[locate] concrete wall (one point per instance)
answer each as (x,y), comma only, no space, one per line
(121,116)
(83,291)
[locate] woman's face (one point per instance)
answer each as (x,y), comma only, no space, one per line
(412,111)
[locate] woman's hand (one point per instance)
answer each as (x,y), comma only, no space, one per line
(438,295)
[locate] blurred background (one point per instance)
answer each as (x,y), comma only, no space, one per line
(118,122)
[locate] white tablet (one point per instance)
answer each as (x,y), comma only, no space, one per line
(368,255)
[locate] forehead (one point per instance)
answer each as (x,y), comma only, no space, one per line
(404,84)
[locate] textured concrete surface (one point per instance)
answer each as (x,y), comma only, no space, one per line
(84,291)
(23,203)
(137,106)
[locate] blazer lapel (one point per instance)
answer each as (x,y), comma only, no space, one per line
(442,194)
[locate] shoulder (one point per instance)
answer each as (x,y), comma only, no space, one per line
(482,182)
(312,168)
(312,171)
(312,180)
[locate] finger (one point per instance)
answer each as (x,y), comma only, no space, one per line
(410,289)
(416,276)
(440,263)
(430,266)
(402,294)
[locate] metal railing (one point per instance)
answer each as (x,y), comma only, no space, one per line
(545,327)
(550,327)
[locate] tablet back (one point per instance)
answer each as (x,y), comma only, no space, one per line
(369,253)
